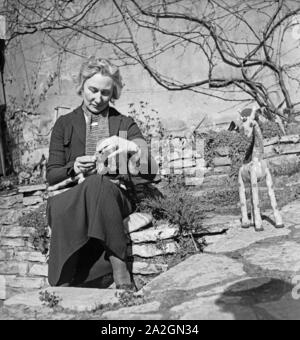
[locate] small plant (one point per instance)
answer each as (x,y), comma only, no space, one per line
(129,299)
(37,219)
(237,143)
(270,129)
(178,208)
(147,119)
(49,299)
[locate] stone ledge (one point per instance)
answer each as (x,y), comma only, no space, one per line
(16,231)
(32,188)
(32,200)
(152,250)
(162,232)
(31,256)
(13,242)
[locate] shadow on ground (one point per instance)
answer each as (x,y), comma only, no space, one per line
(260,299)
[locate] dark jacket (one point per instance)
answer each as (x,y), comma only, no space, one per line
(68,142)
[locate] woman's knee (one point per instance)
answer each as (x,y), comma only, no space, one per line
(99,180)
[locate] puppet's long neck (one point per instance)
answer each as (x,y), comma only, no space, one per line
(258,149)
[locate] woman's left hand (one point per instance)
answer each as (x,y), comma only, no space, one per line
(115,145)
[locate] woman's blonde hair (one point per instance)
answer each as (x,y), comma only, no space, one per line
(96,65)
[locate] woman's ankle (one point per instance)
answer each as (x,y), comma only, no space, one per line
(121,273)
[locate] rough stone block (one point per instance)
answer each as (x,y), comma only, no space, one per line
(32,188)
(13,268)
(154,234)
(197,272)
(16,231)
(31,256)
(222,151)
(10,217)
(137,221)
(11,201)
(25,283)
(222,161)
(6,254)
(39,270)
(194,181)
(32,200)
(152,250)
(13,242)
(144,268)
(3,293)
(222,169)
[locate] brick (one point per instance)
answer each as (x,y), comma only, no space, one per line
(39,270)
(16,231)
(13,268)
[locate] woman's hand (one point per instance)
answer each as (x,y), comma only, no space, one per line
(115,145)
(85,165)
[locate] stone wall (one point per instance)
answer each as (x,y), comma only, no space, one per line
(279,151)
(22,268)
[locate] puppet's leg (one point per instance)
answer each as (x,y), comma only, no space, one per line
(254,188)
(277,215)
(243,202)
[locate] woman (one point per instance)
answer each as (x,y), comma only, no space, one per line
(88,238)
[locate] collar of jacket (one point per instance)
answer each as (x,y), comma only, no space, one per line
(114,119)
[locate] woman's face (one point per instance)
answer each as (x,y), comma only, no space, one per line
(97,92)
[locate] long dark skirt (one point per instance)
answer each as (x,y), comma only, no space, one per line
(87,226)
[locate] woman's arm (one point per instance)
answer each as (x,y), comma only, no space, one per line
(57,168)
